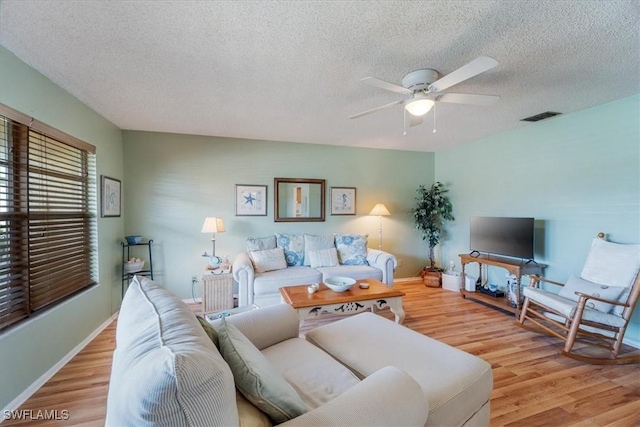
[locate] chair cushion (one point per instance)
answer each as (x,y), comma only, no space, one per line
(268,260)
(612,264)
(352,248)
(166,371)
(323,258)
(315,375)
(256,378)
(271,281)
(575,284)
(354,271)
(567,307)
(315,243)
(456,384)
(293,245)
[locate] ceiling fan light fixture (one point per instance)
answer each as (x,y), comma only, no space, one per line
(419,105)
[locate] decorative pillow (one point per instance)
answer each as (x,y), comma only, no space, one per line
(575,284)
(612,264)
(315,243)
(324,258)
(261,243)
(256,378)
(268,260)
(211,332)
(352,249)
(293,245)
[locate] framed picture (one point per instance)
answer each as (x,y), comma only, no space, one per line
(343,201)
(110,197)
(251,200)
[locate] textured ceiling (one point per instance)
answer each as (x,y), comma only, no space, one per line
(290,71)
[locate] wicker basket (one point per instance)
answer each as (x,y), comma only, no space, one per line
(217,292)
(430,278)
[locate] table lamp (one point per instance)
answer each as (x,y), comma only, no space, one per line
(380,210)
(213,225)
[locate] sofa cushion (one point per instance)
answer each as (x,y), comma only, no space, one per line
(323,258)
(166,371)
(250,415)
(293,245)
(256,378)
(315,243)
(271,281)
(261,243)
(209,330)
(268,260)
(315,375)
(456,384)
(352,248)
(356,272)
(575,284)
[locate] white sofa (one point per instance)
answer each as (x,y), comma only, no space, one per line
(167,372)
(262,288)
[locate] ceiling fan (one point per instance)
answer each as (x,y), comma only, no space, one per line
(425,89)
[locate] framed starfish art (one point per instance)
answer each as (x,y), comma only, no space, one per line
(251,200)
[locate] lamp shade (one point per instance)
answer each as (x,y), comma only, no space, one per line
(419,105)
(380,210)
(213,225)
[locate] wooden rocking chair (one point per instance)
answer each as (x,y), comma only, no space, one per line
(593,309)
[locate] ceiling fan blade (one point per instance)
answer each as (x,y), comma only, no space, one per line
(385,85)
(467,98)
(473,68)
(412,120)
(373,110)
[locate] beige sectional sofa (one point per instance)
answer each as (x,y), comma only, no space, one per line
(260,287)
(363,370)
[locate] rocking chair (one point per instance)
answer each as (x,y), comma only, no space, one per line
(593,309)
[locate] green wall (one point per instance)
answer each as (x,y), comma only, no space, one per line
(174,181)
(577,174)
(32,348)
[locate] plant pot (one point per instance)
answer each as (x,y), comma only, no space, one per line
(431,278)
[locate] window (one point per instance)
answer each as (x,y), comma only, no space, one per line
(47,216)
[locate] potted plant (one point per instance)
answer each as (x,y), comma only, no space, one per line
(432,210)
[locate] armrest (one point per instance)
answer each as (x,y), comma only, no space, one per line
(608,301)
(243,274)
(267,326)
(388,397)
(537,279)
(383,261)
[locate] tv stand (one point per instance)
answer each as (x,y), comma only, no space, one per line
(513,266)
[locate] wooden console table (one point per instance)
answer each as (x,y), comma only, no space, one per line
(513,266)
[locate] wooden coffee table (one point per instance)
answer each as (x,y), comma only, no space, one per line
(352,301)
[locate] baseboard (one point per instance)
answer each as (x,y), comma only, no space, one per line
(35,386)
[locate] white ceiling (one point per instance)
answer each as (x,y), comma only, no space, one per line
(290,70)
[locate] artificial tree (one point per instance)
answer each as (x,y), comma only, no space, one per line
(432,209)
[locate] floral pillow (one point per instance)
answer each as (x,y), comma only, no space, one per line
(352,248)
(293,245)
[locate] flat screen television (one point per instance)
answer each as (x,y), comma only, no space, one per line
(507,236)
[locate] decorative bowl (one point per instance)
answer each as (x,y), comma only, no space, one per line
(133,267)
(339,284)
(133,240)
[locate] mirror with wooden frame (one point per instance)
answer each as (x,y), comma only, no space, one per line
(298,200)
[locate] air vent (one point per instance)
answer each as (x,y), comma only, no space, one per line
(540,116)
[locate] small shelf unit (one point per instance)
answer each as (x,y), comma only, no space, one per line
(126,255)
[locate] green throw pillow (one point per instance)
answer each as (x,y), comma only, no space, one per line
(256,378)
(213,335)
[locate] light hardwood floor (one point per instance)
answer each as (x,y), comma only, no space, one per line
(533,385)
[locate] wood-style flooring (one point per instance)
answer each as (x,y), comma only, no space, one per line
(533,385)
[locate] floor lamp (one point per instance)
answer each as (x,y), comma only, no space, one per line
(380,210)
